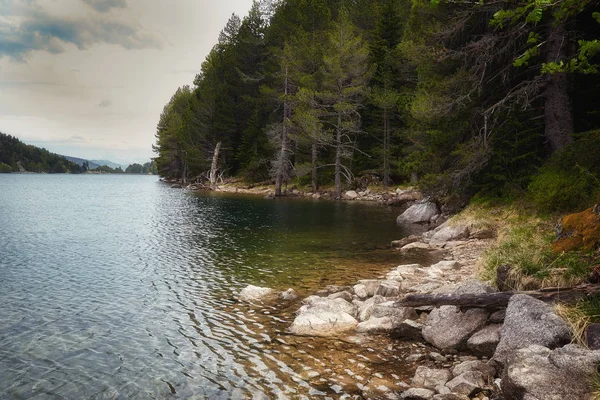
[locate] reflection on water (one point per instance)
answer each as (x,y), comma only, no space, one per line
(119,287)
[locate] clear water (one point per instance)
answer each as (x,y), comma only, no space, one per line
(120,287)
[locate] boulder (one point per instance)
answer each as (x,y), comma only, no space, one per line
(345,295)
(430,378)
(530,321)
(350,195)
(467,383)
(365,310)
(450,396)
(447,265)
(418,213)
(331,289)
(320,322)
(486,369)
(417,394)
(592,336)
(446,233)
(253,293)
(376,325)
(407,240)
(360,290)
(389,288)
(447,327)
(484,342)
(536,372)
(370,285)
(497,317)
(408,329)
(389,309)
(319,304)
(401,272)
(289,295)
(415,248)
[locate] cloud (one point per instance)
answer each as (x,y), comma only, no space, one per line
(39,30)
(106,5)
(105,103)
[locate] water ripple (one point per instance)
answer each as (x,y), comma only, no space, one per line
(119,287)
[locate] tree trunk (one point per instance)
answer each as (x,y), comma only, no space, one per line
(386,149)
(557,111)
(281,161)
(338,158)
(314,151)
(500,299)
(213,165)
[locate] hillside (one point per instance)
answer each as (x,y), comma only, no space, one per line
(80,161)
(16,156)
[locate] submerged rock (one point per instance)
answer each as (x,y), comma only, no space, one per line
(322,322)
(252,293)
(289,295)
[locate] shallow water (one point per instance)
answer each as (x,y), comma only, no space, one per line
(120,287)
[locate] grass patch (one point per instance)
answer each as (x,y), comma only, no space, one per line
(595,384)
(580,316)
(524,243)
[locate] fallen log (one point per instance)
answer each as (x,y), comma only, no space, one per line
(500,299)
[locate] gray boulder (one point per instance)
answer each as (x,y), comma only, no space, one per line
(289,295)
(350,195)
(467,383)
(345,295)
(389,288)
(447,265)
(253,293)
(447,233)
(371,286)
(417,394)
(376,325)
(592,336)
(418,213)
(536,372)
(486,369)
(319,322)
(389,309)
(360,291)
(430,378)
(484,342)
(530,321)
(408,329)
(366,308)
(447,327)
(450,396)
(415,248)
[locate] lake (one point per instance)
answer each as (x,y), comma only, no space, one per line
(120,287)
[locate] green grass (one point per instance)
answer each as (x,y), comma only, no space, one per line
(580,316)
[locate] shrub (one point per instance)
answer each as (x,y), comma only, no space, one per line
(5,168)
(559,190)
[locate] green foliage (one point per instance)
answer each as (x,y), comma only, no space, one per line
(5,168)
(555,190)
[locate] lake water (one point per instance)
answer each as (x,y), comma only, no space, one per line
(120,287)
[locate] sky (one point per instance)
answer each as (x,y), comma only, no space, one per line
(89,78)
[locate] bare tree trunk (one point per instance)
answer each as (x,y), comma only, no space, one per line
(282,159)
(314,151)
(213,165)
(338,158)
(557,111)
(184,172)
(386,149)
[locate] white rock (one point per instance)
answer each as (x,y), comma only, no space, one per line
(289,295)
(351,195)
(420,212)
(252,293)
(322,323)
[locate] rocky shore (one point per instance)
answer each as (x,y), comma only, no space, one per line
(522,351)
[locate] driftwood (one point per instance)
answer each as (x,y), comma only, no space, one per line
(498,300)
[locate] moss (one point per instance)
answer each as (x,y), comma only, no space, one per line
(579,231)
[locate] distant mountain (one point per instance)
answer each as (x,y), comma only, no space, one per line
(80,161)
(16,156)
(108,164)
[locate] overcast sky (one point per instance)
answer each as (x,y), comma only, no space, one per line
(89,78)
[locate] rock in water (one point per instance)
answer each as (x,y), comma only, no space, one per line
(536,372)
(418,213)
(252,293)
(314,322)
(530,321)
(289,295)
